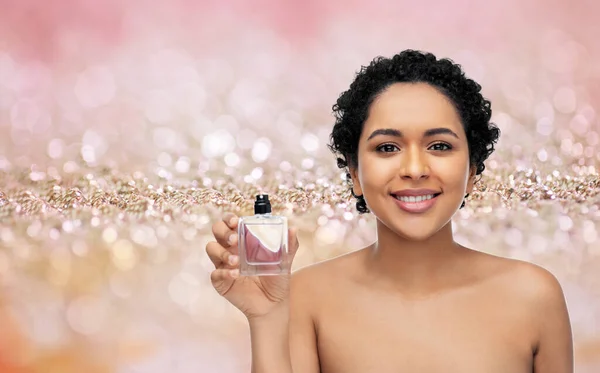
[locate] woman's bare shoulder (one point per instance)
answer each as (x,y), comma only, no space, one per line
(524,279)
(535,282)
(321,277)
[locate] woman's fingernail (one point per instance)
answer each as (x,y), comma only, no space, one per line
(234,273)
(233,259)
(233,221)
(231,239)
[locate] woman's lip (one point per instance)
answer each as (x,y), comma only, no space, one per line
(416,207)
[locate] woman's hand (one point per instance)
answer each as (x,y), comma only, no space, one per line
(255,296)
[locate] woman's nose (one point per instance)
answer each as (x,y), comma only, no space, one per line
(414,164)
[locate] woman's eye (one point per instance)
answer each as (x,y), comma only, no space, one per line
(387,148)
(441,146)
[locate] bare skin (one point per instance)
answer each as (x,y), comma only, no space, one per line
(415,300)
(475,320)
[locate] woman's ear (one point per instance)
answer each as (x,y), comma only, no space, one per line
(356,188)
(471,181)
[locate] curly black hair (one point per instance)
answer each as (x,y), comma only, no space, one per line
(410,66)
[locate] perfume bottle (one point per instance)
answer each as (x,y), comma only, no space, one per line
(263,241)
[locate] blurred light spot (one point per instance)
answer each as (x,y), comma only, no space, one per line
(88,154)
(95,221)
(54,234)
(308,163)
(566,145)
(330,233)
(95,141)
(86,315)
(7,235)
(565,223)
(544,126)
(70,167)
(123,255)
(589,152)
(95,87)
(565,100)
(144,235)
(579,124)
(217,144)
(588,112)
(79,248)
(256,173)
(577,150)
(590,235)
(182,165)
(55,148)
(109,235)
(33,230)
(285,166)
(37,176)
(542,155)
(68,226)
(261,150)
(310,142)
(232,160)
(4,163)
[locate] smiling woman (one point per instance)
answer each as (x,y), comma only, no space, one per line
(402,153)
(413,133)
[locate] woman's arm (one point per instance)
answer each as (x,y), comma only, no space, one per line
(269,338)
(285,341)
(554,352)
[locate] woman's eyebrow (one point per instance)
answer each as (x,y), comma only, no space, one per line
(428,133)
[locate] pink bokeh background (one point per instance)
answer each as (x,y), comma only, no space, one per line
(87,81)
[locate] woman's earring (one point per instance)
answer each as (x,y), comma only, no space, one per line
(464,202)
(354,195)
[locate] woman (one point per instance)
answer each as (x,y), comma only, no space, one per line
(413,133)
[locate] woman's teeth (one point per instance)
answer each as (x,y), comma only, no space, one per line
(414,199)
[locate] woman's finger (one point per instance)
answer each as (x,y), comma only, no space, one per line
(223,279)
(220,256)
(231,220)
(224,235)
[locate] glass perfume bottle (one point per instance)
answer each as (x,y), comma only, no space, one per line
(263,241)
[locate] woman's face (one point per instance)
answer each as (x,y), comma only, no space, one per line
(413,160)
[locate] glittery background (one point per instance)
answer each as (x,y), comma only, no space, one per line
(127,128)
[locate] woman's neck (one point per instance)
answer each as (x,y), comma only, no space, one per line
(414,267)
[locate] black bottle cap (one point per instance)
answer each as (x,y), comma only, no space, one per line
(262,204)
